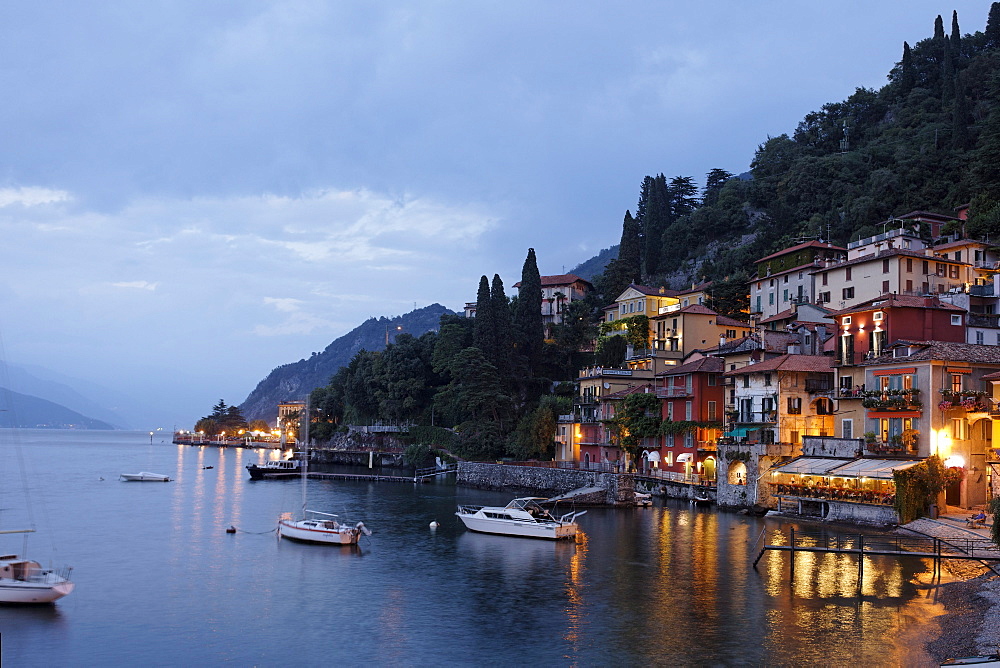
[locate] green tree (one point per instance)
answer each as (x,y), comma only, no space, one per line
(528,329)
(714,180)
(992,31)
(637,418)
(259,425)
(207,426)
(484,328)
(730,297)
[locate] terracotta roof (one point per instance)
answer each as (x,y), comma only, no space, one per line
(992,376)
(559,279)
(697,308)
(774,342)
(945,351)
(926,214)
(726,321)
(784,315)
(892,300)
(809,363)
(655,292)
(700,365)
(959,243)
(775,274)
(645,388)
(808,244)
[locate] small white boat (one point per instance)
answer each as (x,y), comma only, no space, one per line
(643,499)
(521,517)
(25,581)
(317,527)
(144,476)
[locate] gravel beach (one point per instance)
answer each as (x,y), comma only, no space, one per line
(971,624)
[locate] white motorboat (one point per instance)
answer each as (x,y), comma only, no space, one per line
(144,476)
(25,581)
(521,517)
(317,527)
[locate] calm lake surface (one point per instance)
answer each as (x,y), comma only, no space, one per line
(159,582)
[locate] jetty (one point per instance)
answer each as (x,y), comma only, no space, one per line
(420,475)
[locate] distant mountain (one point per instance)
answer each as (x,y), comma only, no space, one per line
(73,393)
(296,380)
(595,265)
(28,412)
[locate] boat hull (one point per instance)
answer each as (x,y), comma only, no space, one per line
(523,529)
(144,477)
(15,591)
(310,534)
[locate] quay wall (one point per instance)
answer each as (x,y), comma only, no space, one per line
(616,489)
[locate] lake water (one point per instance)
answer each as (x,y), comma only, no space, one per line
(159,582)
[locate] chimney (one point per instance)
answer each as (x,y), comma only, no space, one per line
(722,341)
(662,289)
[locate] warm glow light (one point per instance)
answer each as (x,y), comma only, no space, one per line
(941,443)
(955,461)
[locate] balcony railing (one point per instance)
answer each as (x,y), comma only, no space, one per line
(669,392)
(892,400)
(756,417)
(984,320)
(816,385)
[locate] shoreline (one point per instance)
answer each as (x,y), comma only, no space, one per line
(968,626)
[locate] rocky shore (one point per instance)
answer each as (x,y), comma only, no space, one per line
(971,623)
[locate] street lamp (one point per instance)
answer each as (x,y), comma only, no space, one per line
(399,328)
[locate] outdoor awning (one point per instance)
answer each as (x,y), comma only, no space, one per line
(740,432)
(684,457)
(653,456)
(873,468)
(812,465)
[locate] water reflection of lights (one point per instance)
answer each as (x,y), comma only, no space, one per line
(574,593)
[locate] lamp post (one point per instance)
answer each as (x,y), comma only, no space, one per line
(399,328)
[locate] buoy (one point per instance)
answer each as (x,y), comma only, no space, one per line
(434,525)
(231,530)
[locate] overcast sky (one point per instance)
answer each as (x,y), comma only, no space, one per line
(193,192)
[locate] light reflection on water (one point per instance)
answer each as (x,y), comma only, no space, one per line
(157,576)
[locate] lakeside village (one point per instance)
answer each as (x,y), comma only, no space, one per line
(862,388)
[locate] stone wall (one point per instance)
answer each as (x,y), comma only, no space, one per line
(828,446)
(618,489)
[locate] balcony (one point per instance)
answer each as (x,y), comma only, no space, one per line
(672,392)
(892,400)
(972,401)
(850,393)
(984,320)
(981,290)
(817,385)
(756,417)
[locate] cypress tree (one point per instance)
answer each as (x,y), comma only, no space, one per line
(655,221)
(499,353)
(907,77)
(956,36)
(960,117)
(630,251)
(938,28)
(482,335)
(948,76)
(529,330)
(992,31)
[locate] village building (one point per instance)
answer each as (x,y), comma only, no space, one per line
(693,399)
(557,293)
(785,278)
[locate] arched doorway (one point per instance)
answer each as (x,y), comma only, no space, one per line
(710,468)
(737,473)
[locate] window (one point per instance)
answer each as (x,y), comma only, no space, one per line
(758,304)
(877,315)
(767,380)
(885,266)
(979,338)
(687,411)
(956,382)
(959,429)
(825,277)
(670,410)
(712,411)
(794,405)
(909,264)
(846,320)
(794,434)
(848,293)
(847,276)
(909,286)
(847,428)
(784,296)
(824,297)
(926,267)
(770,298)
(712,379)
(956,319)
(746,380)
(786,278)
(958,257)
(940,269)
(885,287)
(953,271)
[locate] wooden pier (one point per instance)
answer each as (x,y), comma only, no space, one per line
(860,545)
(421,475)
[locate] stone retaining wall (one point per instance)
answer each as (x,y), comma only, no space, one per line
(618,489)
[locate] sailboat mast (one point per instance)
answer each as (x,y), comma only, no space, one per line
(304,432)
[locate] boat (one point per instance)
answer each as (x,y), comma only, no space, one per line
(144,476)
(25,581)
(988,660)
(643,499)
(315,526)
(272,468)
(521,517)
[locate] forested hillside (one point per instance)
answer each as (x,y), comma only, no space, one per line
(927,140)
(296,380)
